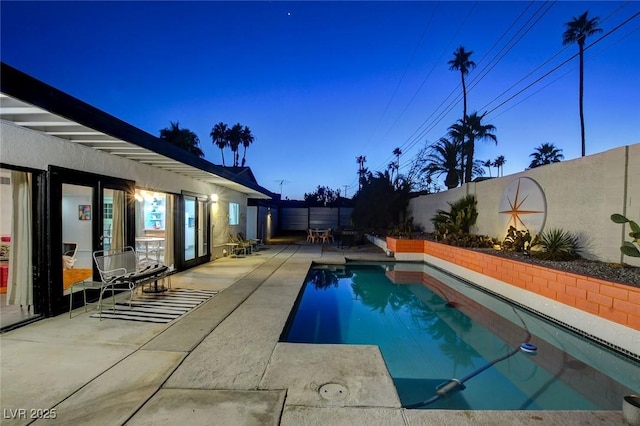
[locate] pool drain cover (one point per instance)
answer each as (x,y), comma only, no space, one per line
(333,392)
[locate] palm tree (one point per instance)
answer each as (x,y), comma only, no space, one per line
(234,136)
(219,138)
(397,152)
(182,138)
(498,163)
(474,130)
(361,159)
(444,160)
(457,132)
(462,63)
(546,153)
(577,31)
(488,165)
(247,139)
(394,166)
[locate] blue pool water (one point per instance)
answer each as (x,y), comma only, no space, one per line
(448,329)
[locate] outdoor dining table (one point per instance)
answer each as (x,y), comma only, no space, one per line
(146,241)
(318,232)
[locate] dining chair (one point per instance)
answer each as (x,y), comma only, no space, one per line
(311,236)
(325,236)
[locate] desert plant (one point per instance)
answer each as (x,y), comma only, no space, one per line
(460,218)
(460,239)
(516,240)
(404,230)
(556,244)
(628,248)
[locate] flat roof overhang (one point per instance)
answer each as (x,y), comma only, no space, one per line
(32,104)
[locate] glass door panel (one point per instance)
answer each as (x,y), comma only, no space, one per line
(77,233)
(189,228)
(202,228)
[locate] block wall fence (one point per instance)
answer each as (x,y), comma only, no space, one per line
(580,197)
(618,303)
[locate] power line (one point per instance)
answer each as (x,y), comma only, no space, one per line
(462,24)
(413,54)
(565,62)
(450,106)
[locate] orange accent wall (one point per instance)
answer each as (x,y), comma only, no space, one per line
(619,303)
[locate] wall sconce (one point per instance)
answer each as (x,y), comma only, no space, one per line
(213,198)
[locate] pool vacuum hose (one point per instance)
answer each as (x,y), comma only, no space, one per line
(452,386)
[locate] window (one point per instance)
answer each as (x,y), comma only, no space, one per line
(234,213)
(108,211)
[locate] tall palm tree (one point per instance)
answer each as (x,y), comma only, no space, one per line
(361,159)
(474,130)
(247,139)
(546,153)
(397,152)
(444,159)
(234,136)
(498,163)
(457,132)
(577,30)
(219,138)
(182,138)
(462,63)
(394,166)
(488,165)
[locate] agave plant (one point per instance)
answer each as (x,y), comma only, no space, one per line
(557,244)
(628,247)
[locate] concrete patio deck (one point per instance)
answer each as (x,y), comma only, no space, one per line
(221,363)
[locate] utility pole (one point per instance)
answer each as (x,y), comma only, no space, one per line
(345,190)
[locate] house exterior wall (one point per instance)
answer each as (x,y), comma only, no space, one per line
(580,195)
(28,148)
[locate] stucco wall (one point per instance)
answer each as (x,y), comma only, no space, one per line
(28,148)
(580,194)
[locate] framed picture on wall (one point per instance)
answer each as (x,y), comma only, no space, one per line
(84,212)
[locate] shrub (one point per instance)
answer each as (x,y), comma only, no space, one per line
(460,218)
(627,247)
(404,229)
(516,240)
(460,239)
(557,244)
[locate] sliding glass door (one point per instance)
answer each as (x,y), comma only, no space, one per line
(87,213)
(195,231)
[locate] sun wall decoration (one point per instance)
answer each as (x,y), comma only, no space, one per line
(523,206)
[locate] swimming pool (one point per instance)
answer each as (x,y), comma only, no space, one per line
(449,345)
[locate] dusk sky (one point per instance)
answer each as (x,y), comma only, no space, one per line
(320,83)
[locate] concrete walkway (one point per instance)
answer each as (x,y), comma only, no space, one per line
(221,363)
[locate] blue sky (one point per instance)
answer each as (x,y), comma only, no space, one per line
(320,83)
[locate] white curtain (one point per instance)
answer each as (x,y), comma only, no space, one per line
(20,280)
(117,227)
(169,255)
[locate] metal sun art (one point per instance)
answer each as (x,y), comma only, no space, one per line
(523,205)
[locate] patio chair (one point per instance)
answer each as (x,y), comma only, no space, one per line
(326,236)
(246,243)
(239,247)
(311,236)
